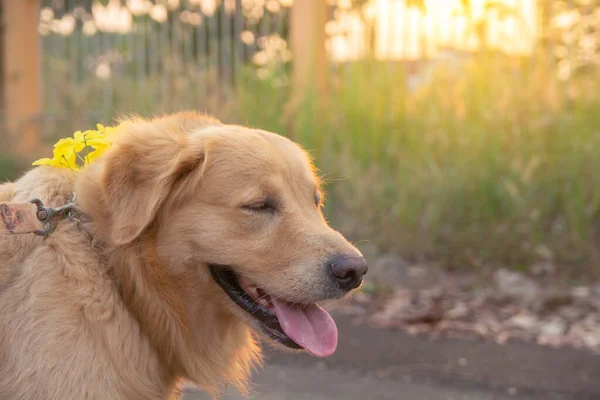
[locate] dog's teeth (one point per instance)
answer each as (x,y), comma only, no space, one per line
(253,292)
(263,302)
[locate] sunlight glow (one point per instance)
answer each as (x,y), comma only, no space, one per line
(409,33)
(384,29)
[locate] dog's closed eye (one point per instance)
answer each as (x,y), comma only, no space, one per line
(262,206)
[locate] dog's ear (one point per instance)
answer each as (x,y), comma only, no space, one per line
(148,163)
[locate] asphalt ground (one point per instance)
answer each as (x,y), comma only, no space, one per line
(385,364)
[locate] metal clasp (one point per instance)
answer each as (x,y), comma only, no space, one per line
(50,216)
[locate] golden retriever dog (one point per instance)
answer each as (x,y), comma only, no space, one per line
(190,241)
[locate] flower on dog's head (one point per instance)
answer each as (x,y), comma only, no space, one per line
(84,147)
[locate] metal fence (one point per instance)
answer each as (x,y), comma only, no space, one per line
(151,56)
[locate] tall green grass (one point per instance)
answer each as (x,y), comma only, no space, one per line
(494,163)
(497,163)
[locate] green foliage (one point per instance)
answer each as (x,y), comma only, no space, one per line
(495,163)
(9,168)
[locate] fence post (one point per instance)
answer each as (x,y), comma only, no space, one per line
(307,42)
(21,68)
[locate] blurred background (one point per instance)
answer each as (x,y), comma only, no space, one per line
(459,139)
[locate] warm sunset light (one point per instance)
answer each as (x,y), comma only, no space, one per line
(185,184)
(412,32)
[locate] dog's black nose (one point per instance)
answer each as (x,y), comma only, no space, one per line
(348,270)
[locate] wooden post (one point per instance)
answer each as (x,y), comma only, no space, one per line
(307,37)
(21,72)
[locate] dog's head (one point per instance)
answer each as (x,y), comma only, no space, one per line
(237,209)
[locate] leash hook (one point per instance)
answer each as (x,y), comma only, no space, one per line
(50,216)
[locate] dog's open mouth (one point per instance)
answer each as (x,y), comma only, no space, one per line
(298,326)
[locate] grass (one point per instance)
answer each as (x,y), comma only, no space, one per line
(493,164)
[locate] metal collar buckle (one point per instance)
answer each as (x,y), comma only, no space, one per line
(51,216)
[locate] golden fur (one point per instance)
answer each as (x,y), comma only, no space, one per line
(118,303)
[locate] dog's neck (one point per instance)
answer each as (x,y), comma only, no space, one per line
(184,320)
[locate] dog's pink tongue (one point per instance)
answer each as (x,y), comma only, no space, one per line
(309,326)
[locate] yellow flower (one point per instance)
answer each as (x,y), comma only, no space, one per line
(94,139)
(48,161)
(64,157)
(68,150)
(107,131)
(70,144)
(92,156)
(67,155)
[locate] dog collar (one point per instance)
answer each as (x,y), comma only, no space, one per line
(33,217)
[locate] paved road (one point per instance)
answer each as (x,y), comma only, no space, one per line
(381,364)
(298,383)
